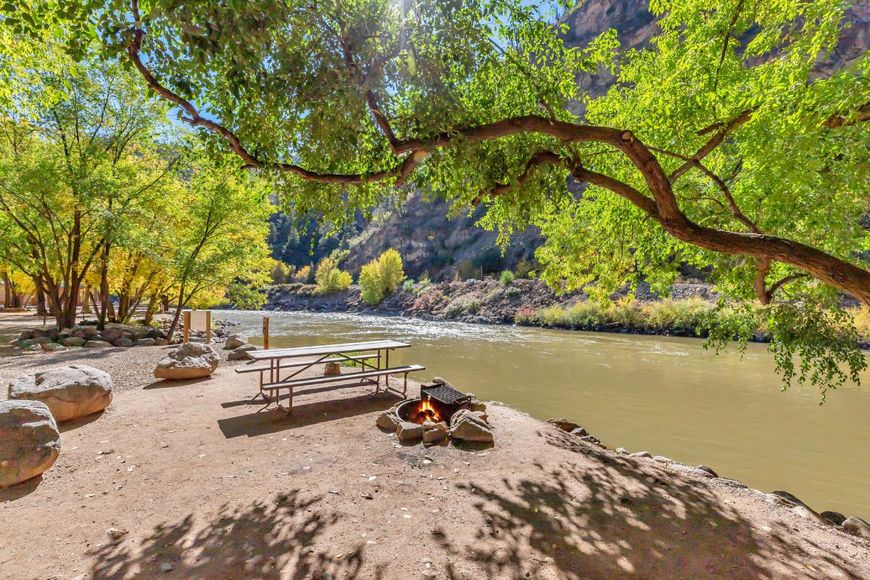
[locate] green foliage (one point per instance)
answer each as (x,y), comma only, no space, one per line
(371,289)
(329,279)
(507,277)
(811,344)
(281,273)
(436,67)
(245,297)
(380,277)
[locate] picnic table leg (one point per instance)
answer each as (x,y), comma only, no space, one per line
(387,377)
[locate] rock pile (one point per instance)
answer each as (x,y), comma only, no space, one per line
(69,392)
(89,336)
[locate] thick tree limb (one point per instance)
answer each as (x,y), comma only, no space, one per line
(662,207)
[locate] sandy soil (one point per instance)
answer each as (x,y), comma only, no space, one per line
(198,481)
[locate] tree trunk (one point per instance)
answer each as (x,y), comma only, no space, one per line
(104,287)
(40,297)
(149,311)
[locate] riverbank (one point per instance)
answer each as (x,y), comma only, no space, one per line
(187,477)
(489,301)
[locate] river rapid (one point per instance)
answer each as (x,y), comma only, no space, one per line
(664,395)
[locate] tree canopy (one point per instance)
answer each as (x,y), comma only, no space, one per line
(719,145)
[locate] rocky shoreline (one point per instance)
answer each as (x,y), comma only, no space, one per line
(486,301)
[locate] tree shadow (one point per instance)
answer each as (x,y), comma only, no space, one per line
(20,490)
(275,420)
(620,518)
(263,540)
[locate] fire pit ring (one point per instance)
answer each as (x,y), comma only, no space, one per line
(437,402)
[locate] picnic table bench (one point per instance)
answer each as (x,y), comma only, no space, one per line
(372,357)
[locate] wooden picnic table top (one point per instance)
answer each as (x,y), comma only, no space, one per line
(326,349)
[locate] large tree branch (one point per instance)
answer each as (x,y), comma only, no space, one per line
(662,207)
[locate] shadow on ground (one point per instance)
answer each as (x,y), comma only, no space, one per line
(275,420)
(20,490)
(620,519)
(263,540)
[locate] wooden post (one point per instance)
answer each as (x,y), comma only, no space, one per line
(187,326)
(265,333)
(208,327)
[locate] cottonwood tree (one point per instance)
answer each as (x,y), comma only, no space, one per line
(719,145)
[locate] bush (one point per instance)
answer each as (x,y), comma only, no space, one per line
(329,278)
(245,297)
(303,275)
(281,273)
(408,285)
(391,270)
(507,277)
(370,284)
(380,277)
(525,268)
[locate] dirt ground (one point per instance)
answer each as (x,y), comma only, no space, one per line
(196,484)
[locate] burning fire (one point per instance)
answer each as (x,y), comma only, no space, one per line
(426,412)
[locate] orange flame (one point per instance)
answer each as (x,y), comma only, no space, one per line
(427,412)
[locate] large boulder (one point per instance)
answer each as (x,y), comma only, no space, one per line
(234,341)
(31,441)
(470,426)
(241,353)
(191,360)
(73,341)
(69,392)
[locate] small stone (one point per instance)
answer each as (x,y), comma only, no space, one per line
(857,527)
(146,342)
(434,432)
(580,432)
(470,426)
(241,353)
(332,369)
(622,451)
(661,459)
(835,518)
(641,454)
(706,469)
(234,341)
(806,513)
(166,567)
(115,533)
(787,498)
(409,432)
(388,420)
(563,424)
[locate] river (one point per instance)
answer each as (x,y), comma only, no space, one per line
(664,395)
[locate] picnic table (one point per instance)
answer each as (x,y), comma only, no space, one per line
(371,357)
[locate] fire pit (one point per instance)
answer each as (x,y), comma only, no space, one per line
(441,414)
(437,402)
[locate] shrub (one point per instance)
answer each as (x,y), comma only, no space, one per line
(329,278)
(245,297)
(507,277)
(466,270)
(391,270)
(408,285)
(281,273)
(303,275)
(380,277)
(370,284)
(525,268)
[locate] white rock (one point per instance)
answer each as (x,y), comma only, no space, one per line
(241,353)
(70,392)
(189,361)
(30,440)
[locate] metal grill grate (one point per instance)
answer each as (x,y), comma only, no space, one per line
(444,394)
